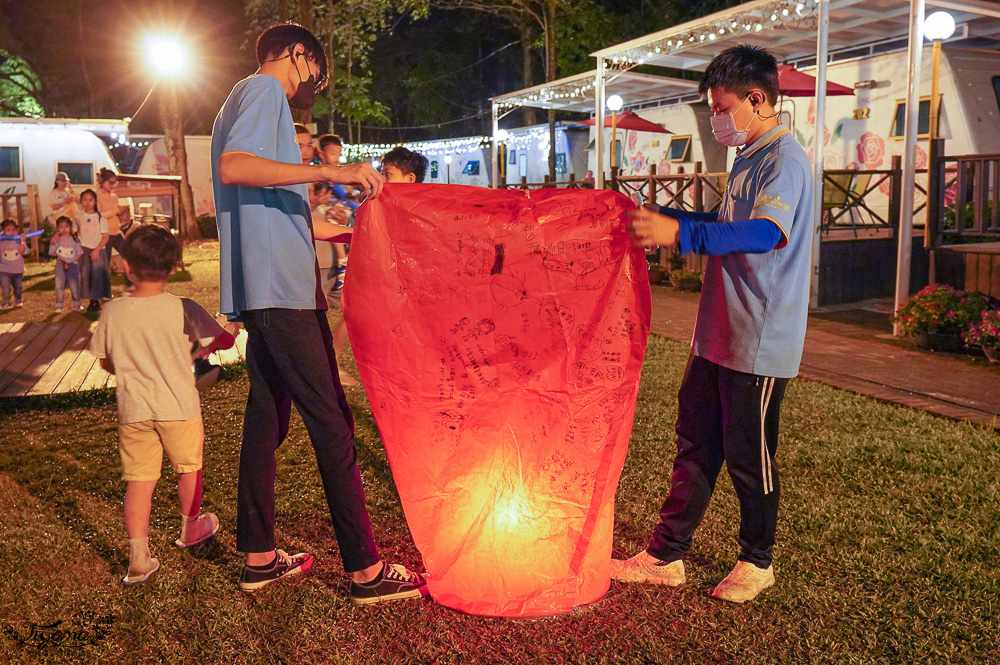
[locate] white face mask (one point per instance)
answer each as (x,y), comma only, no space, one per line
(724,128)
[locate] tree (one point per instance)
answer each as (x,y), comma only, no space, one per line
(531,18)
(173,138)
(19,88)
(348,30)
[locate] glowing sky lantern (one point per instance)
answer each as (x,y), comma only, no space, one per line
(500,338)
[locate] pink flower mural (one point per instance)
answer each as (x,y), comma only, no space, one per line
(871,150)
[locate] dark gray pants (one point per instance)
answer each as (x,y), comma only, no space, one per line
(731,417)
(290,359)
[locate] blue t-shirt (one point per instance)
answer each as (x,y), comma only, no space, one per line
(267,258)
(753,311)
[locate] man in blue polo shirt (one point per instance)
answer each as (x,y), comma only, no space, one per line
(750,330)
(270,282)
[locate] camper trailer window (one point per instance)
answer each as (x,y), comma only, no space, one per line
(10,162)
(513,158)
(560,162)
(522,166)
(899,118)
(471,167)
(680,149)
(434,170)
(996,89)
(79,174)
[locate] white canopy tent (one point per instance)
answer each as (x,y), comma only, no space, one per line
(803,31)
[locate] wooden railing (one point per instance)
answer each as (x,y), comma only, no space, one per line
(847,197)
(963,197)
(572,183)
(697,191)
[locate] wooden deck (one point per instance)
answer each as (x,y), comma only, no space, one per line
(47,358)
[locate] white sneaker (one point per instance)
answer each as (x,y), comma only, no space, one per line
(744,583)
(646,569)
(198,531)
(59,309)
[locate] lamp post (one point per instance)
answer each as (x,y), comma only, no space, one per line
(168,59)
(614,105)
(447,163)
(502,136)
(938,27)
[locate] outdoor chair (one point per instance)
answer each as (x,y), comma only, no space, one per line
(836,193)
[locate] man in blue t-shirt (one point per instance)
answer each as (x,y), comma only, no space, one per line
(270,282)
(750,330)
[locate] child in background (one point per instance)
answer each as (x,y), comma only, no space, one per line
(402,165)
(11,265)
(67,251)
(92,231)
(127,225)
(332,256)
(145,340)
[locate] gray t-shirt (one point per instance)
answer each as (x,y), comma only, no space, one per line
(752,316)
(149,341)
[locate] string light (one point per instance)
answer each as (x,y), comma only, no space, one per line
(368,151)
(776,15)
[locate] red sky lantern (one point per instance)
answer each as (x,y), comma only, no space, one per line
(500,338)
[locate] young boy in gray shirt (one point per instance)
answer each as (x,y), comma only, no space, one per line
(145,340)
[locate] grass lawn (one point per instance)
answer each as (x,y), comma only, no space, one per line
(197,279)
(887,547)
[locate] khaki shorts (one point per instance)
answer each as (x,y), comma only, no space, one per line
(142,446)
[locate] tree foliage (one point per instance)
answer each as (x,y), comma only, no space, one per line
(19,88)
(348,29)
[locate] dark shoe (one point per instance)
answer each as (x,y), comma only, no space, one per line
(394,583)
(206,374)
(95,306)
(252,579)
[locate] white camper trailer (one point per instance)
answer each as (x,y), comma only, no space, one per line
(525,155)
(33,150)
(199,157)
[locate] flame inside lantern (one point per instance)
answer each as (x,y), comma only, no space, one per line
(500,341)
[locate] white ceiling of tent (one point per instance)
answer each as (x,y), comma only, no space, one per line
(788,29)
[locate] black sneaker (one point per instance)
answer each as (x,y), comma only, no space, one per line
(206,374)
(394,583)
(252,579)
(95,306)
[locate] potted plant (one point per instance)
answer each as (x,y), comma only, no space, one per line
(686,280)
(986,334)
(657,272)
(937,315)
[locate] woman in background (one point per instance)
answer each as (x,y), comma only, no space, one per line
(63,202)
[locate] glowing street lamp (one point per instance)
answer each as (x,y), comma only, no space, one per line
(938,27)
(167,58)
(614,104)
